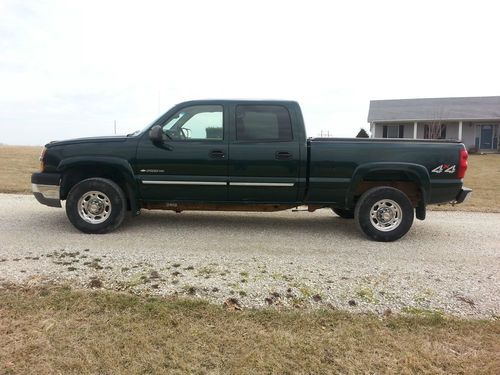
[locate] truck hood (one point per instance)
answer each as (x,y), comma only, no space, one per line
(106,139)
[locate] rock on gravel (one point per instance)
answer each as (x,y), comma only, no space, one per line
(447,264)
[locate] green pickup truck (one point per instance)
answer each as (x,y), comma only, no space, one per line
(239,155)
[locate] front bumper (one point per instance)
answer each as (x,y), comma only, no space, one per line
(463,195)
(45,187)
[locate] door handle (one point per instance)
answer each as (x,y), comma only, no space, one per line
(217,154)
(283,155)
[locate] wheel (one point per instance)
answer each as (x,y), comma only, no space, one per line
(96,205)
(384,214)
(343,213)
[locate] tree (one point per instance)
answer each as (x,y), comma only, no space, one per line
(435,129)
(362,134)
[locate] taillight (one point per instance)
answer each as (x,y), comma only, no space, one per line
(462,164)
(42,161)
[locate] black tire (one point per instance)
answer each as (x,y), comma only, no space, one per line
(343,213)
(96,205)
(389,222)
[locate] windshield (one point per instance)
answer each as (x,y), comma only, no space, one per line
(137,132)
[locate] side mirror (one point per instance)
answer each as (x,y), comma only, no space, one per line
(156,134)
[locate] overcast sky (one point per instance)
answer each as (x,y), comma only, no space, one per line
(70,69)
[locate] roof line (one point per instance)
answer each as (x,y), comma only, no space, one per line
(441,120)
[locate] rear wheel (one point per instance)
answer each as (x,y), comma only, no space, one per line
(343,213)
(96,205)
(384,214)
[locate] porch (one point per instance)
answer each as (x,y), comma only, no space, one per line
(479,136)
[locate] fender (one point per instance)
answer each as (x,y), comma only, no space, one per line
(118,165)
(416,172)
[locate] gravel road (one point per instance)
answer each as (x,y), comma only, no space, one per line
(447,264)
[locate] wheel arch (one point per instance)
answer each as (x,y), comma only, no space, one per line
(412,179)
(76,169)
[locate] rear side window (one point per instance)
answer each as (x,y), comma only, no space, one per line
(263,123)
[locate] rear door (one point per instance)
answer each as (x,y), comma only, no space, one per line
(191,163)
(264,154)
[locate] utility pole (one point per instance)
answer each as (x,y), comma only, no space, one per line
(115,127)
(159,107)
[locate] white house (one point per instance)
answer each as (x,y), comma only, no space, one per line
(475,120)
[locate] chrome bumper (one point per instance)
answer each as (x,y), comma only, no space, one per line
(463,195)
(47,194)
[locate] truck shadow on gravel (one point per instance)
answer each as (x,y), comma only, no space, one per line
(242,222)
(196,223)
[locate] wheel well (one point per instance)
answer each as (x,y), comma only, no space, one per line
(410,188)
(73,176)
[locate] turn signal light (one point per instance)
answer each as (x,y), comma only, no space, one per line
(42,159)
(462,165)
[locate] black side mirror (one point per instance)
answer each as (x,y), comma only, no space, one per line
(156,134)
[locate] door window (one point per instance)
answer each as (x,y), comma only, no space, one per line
(263,123)
(201,122)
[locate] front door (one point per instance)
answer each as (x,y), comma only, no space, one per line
(264,158)
(191,163)
(486,137)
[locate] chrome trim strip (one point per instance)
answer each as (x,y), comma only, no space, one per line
(215,183)
(205,183)
(282,184)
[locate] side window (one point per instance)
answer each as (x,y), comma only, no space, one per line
(201,122)
(263,122)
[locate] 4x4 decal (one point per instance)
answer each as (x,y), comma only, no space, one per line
(446,168)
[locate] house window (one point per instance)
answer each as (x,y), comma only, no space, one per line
(393,131)
(435,131)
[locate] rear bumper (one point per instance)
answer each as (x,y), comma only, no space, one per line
(45,187)
(463,195)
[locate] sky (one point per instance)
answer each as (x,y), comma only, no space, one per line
(71,69)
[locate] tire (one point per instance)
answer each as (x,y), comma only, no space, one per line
(96,205)
(343,213)
(384,214)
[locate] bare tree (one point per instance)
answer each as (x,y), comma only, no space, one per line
(435,127)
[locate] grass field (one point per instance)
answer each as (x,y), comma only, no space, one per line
(51,330)
(16,165)
(483,176)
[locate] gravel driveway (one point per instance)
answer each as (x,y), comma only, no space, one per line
(447,264)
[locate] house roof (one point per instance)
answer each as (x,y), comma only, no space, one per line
(472,108)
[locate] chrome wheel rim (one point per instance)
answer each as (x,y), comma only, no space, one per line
(94,207)
(386,215)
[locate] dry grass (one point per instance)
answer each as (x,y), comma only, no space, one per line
(16,165)
(483,176)
(48,330)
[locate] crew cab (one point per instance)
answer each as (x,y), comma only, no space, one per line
(248,156)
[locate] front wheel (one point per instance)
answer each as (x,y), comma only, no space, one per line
(384,214)
(96,205)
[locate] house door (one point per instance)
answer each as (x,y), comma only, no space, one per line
(486,137)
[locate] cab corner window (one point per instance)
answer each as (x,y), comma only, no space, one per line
(201,122)
(263,123)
